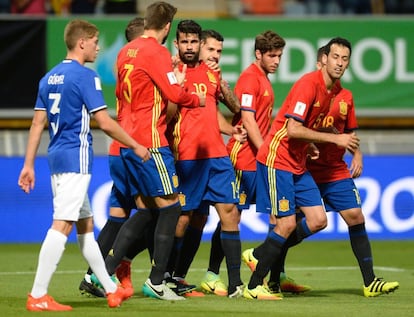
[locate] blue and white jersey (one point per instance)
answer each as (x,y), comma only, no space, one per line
(69,93)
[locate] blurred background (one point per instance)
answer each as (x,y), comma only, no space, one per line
(381,77)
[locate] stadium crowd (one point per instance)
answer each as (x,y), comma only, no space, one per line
(226,7)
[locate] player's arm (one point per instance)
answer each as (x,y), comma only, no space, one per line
(26,179)
(296,130)
(238,132)
(114,130)
(171,111)
(228,97)
(356,163)
(250,124)
(170,82)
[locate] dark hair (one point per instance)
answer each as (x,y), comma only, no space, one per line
(134,28)
(268,41)
(158,15)
(206,34)
(321,51)
(188,27)
(340,41)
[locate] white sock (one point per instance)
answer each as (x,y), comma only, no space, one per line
(50,254)
(92,254)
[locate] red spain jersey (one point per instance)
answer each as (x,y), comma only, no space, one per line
(341,118)
(308,101)
(146,82)
(255,93)
(194,133)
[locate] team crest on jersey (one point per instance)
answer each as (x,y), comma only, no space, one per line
(181,198)
(212,79)
(283,205)
(175,181)
(242,198)
(343,108)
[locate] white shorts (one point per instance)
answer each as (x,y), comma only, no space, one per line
(70,196)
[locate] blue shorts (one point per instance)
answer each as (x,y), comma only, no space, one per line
(246,185)
(340,195)
(206,181)
(153,178)
(120,194)
(280,192)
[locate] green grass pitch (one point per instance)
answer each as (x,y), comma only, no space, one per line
(328,266)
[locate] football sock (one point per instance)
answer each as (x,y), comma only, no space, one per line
(191,243)
(301,232)
(146,241)
(132,230)
(174,255)
(107,235)
(278,266)
(230,241)
(270,251)
(92,254)
(49,256)
(163,241)
(362,251)
(216,251)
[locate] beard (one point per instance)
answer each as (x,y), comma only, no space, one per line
(187,59)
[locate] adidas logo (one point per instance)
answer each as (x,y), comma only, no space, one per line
(42,305)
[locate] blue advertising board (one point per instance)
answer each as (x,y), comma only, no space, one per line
(386,188)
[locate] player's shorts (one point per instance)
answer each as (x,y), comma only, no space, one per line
(246,182)
(70,196)
(153,178)
(280,192)
(340,195)
(206,181)
(120,194)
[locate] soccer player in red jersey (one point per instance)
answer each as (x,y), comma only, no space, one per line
(283,182)
(338,190)
(147,81)
(202,163)
(190,227)
(255,92)
(121,201)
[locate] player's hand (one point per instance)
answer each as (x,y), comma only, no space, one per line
(240,133)
(313,152)
(349,141)
(142,152)
(26,179)
(356,164)
(180,75)
(214,66)
(202,97)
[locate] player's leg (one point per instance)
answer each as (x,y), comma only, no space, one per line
(344,196)
(212,282)
(279,281)
(224,195)
(157,181)
(190,245)
(67,201)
